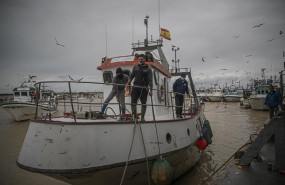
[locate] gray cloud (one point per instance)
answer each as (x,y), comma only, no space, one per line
(200,28)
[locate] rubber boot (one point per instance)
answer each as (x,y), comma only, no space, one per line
(143,112)
(134,111)
(123,114)
(103,109)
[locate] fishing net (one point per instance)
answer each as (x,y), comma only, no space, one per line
(161,172)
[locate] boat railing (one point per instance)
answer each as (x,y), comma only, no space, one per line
(189,107)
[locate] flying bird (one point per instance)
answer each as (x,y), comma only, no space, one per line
(31,77)
(201,74)
(223,69)
(248,55)
(58,43)
(203,59)
(257,26)
(247,61)
(73,79)
(236,36)
(270,40)
(281,32)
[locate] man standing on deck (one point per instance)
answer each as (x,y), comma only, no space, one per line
(273,101)
(118,91)
(180,86)
(142,86)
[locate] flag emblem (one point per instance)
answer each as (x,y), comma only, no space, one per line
(165,33)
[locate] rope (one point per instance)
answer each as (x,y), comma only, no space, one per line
(146,158)
(155,125)
(125,169)
(228,159)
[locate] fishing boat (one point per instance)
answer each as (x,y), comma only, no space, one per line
(23,105)
(257,99)
(216,94)
(233,94)
(84,148)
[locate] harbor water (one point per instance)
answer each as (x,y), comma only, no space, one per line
(231,126)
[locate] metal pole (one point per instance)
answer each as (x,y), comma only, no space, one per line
(37,100)
(172,105)
(73,113)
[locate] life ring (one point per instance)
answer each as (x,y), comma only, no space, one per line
(160,92)
(127,91)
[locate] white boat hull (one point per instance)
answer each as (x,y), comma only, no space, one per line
(232,98)
(257,102)
(215,98)
(100,150)
(24,111)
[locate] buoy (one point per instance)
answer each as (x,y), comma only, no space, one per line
(161,172)
(207,125)
(201,144)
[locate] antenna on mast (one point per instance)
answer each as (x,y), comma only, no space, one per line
(106,40)
(159,19)
(133,27)
(146,24)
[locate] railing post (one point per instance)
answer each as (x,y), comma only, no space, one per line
(172,105)
(37,100)
(70,94)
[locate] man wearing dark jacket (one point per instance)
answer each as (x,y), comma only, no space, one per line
(180,86)
(142,86)
(273,101)
(118,91)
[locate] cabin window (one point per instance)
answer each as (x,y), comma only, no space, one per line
(17,93)
(148,57)
(156,77)
(127,72)
(24,93)
(107,76)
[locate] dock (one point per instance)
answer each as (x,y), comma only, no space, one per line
(263,162)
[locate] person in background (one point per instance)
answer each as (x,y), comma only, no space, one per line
(273,101)
(142,86)
(118,91)
(180,87)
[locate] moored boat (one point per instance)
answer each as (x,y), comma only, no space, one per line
(80,150)
(23,106)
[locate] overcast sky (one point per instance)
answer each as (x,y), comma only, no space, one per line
(220,31)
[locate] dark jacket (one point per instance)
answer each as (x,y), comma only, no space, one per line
(180,86)
(122,81)
(273,99)
(142,75)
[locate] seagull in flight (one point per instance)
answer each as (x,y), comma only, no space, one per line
(73,79)
(58,43)
(224,69)
(247,61)
(281,32)
(203,59)
(270,40)
(236,36)
(31,77)
(257,26)
(248,55)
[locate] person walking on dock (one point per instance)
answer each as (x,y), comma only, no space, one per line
(273,101)
(180,86)
(142,86)
(118,91)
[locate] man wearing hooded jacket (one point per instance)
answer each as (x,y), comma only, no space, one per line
(142,86)
(273,101)
(118,91)
(180,86)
